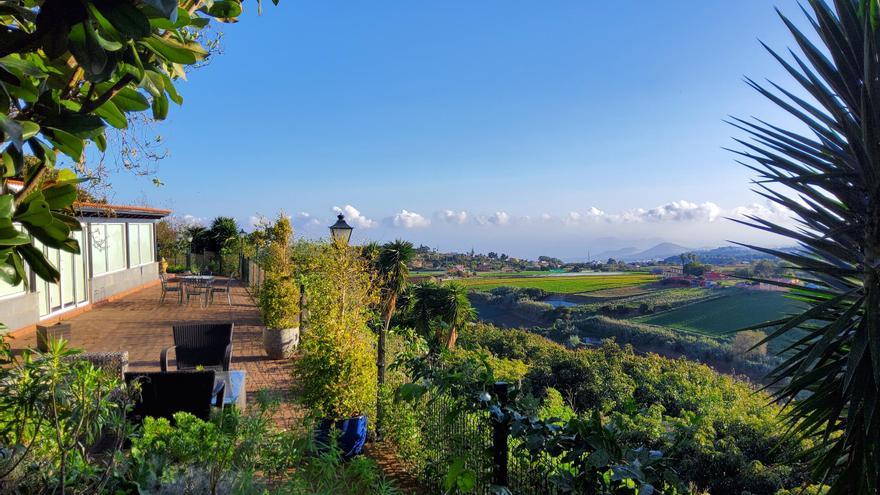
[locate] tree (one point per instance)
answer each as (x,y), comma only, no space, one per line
(830,180)
(68,70)
(438,311)
(222,230)
(393,268)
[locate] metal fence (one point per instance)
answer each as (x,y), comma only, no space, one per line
(454,430)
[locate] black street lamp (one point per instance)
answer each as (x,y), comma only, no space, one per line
(340,231)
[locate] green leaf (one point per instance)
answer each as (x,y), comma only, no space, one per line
(112,115)
(12,131)
(67,143)
(125,17)
(175,51)
(160,107)
(130,100)
(34,211)
(10,236)
(224,10)
(38,263)
(86,49)
(7,206)
(60,196)
(28,129)
(11,268)
(172,91)
(167,8)
(7,166)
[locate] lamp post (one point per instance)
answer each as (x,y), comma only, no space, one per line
(189,240)
(340,231)
(241,254)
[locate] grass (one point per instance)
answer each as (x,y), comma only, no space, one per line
(561,285)
(718,317)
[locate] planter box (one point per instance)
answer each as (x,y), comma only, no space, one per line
(46,334)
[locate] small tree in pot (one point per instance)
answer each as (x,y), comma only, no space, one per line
(337,356)
(279,303)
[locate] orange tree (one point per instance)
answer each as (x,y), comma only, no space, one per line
(69,70)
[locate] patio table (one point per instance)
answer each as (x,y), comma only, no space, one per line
(233,383)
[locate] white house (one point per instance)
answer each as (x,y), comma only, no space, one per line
(118,255)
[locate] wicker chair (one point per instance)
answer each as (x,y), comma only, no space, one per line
(208,345)
(164,393)
(114,363)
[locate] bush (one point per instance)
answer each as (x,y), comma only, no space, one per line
(279,302)
(337,363)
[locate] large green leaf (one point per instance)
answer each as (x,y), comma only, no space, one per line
(130,100)
(86,49)
(125,18)
(59,196)
(38,263)
(175,51)
(112,115)
(34,211)
(7,206)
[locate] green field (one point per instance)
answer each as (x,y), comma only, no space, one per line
(718,317)
(561,285)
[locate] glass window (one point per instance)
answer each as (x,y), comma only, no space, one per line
(115,247)
(134,255)
(99,249)
(146,243)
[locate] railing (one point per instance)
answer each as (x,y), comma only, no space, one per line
(456,432)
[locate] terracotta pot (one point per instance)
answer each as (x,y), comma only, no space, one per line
(280,343)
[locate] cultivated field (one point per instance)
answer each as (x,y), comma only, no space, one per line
(562,285)
(717,317)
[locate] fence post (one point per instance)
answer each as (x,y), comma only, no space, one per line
(500,433)
(303,312)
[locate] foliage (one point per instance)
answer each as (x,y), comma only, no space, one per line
(437,312)
(337,362)
(392,267)
(717,432)
(54,411)
(68,70)
(828,179)
(279,302)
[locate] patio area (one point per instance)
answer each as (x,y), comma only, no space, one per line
(139,324)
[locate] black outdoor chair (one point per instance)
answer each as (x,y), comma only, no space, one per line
(221,289)
(208,345)
(164,393)
(169,287)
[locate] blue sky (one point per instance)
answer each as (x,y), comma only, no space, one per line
(498,125)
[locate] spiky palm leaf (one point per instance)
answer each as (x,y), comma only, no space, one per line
(392,263)
(830,180)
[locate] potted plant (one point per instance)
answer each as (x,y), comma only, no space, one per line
(279,303)
(337,356)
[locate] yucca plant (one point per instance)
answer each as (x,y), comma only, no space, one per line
(830,180)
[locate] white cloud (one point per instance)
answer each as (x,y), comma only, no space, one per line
(409,220)
(354,217)
(769,211)
(676,211)
(499,218)
(304,220)
(452,216)
(192,221)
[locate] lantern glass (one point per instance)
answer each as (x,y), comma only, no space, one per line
(340,231)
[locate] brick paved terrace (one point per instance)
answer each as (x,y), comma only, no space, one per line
(139,324)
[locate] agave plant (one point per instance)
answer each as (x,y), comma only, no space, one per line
(830,180)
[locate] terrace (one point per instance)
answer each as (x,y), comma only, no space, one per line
(139,324)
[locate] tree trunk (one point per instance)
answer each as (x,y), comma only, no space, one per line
(380,366)
(453,337)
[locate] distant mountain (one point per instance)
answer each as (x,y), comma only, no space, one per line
(728,255)
(658,252)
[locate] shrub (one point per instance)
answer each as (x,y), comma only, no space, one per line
(279,302)
(337,363)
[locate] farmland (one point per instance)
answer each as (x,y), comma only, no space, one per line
(717,317)
(562,284)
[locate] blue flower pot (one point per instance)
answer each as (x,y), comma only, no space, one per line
(352,433)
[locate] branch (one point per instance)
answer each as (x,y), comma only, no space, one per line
(31,184)
(92,105)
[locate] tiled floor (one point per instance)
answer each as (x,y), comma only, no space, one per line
(139,324)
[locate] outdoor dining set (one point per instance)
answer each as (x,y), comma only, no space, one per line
(201,287)
(202,378)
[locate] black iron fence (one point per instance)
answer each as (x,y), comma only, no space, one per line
(458,436)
